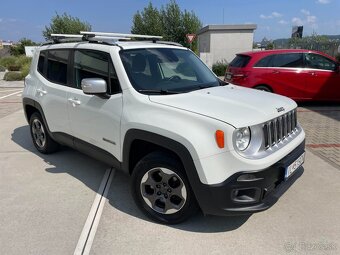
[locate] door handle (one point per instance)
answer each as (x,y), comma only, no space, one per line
(74,101)
(42,92)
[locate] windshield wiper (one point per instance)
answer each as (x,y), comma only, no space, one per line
(223,83)
(159,91)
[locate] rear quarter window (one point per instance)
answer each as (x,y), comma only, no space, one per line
(240,61)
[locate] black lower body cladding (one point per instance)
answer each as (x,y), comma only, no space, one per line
(249,192)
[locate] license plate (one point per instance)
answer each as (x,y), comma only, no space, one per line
(228,76)
(294,166)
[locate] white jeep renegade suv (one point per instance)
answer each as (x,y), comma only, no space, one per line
(156,112)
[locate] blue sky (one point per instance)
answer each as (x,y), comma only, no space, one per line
(274,18)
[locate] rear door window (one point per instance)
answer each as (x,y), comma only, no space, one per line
(265,62)
(57,66)
(316,61)
(240,61)
(287,60)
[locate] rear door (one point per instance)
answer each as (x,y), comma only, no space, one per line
(52,87)
(322,77)
(285,75)
(93,119)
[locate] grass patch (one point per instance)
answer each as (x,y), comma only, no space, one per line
(219,67)
(18,67)
(13,76)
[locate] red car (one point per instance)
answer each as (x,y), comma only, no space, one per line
(299,74)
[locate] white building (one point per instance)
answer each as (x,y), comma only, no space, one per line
(222,42)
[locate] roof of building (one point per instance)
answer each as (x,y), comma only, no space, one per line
(227,27)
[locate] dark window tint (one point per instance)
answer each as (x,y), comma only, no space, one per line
(319,62)
(287,60)
(240,61)
(95,64)
(57,66)
(265,62)
(41,62)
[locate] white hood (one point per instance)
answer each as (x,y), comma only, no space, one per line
(237,106)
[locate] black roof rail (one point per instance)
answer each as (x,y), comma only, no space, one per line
(105,38)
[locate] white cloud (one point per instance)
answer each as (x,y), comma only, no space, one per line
(305,12)
(0,20)
(311,19)
(272,15)
(297,21)
(323,1)
(308,19)
(283,22)
(276,15)
(262,16)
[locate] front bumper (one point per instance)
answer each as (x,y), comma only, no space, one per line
(255,191)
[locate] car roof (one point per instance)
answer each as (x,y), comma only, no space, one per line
(278,51)
(263,53)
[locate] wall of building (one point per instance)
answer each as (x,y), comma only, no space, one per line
(217,46)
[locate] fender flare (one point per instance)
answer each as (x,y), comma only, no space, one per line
(179,149)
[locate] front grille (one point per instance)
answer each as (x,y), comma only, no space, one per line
(278,129)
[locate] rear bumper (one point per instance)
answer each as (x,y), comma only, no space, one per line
(253,192)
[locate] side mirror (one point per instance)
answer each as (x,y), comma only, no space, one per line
(94,86)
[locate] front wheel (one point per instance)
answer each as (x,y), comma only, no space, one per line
(161,190)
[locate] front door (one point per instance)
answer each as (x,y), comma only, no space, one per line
(322,77)
(93,119)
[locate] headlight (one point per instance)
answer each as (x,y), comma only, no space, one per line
(242,138)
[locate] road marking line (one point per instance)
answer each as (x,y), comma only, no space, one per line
(10,94)
(9,90)
(89,230)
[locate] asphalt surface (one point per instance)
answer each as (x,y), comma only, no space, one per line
(57,204)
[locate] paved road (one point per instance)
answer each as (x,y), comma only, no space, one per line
(47,203)
(322,126)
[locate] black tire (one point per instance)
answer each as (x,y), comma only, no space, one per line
(40,137)
(180,199)
(263,88)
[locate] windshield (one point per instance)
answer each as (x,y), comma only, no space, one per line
(166,71)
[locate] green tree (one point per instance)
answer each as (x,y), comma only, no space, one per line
(65,24)
(169,22)
(270,46)
(147,22)
(19,49)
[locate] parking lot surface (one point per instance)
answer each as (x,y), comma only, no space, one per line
(46,202)
(322,126)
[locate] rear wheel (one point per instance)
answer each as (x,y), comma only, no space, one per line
(41,139)
(263,88)
(161,190)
